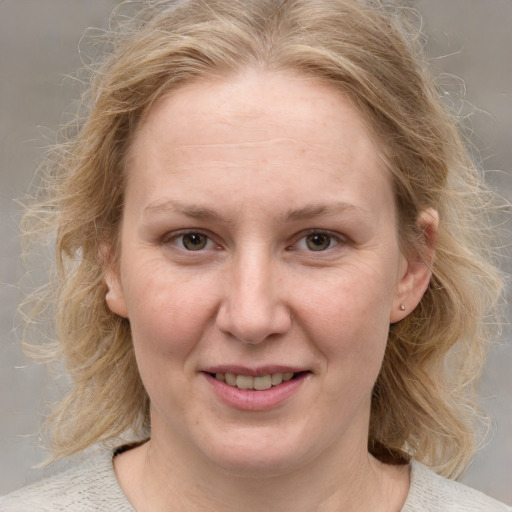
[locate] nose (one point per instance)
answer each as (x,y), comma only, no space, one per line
(253,307)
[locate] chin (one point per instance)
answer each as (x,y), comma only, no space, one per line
(255,464)
(259,454)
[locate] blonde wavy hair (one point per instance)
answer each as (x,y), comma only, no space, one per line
(422,402)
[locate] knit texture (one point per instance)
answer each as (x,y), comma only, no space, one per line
(92,487)
(430,492)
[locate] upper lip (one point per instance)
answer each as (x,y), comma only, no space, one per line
(254,371)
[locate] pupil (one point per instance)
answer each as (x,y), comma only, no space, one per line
(194,241)
(318,242)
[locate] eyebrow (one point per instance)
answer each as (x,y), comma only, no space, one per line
(189,210)
(315,210)
(196,211)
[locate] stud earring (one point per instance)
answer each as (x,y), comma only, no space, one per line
(402,307)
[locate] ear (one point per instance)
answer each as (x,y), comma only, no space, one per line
(115,295)
(416,271)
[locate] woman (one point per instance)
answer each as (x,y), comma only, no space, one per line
(271,269)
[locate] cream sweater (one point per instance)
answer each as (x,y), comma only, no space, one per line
(93,487)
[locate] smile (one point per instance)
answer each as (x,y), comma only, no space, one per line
(248,382)
(256,389)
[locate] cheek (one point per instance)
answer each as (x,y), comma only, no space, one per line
(167,310)
(348,317)
(168,316)
(351,334)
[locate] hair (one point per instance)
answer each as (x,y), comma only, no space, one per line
(423,400)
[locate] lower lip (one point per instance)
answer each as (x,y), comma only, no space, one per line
(251,400)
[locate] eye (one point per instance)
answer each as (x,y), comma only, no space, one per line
(193,241)
(317,241)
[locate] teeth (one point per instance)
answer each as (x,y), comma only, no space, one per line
(244,382)
(262,383)
(256,383)
(277,378)
(230,379)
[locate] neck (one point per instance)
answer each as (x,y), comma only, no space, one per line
(165,479)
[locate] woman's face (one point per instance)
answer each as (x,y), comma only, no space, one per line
(259,242)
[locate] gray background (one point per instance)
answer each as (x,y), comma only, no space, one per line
(470,42)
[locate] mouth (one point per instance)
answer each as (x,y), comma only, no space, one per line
(259,383)
(256,389)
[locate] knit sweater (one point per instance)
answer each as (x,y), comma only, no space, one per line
(93,487)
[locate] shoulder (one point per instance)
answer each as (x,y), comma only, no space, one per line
(89,487)
(430,492)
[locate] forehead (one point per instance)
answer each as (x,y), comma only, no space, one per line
(259,102)
(253,127)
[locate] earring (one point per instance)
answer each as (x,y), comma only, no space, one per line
(402,307)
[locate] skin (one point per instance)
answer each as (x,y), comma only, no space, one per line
(254,163)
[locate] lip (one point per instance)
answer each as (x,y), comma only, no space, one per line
(252,400)
(255,371)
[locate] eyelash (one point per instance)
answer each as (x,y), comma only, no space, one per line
(333,241)
(174,238)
